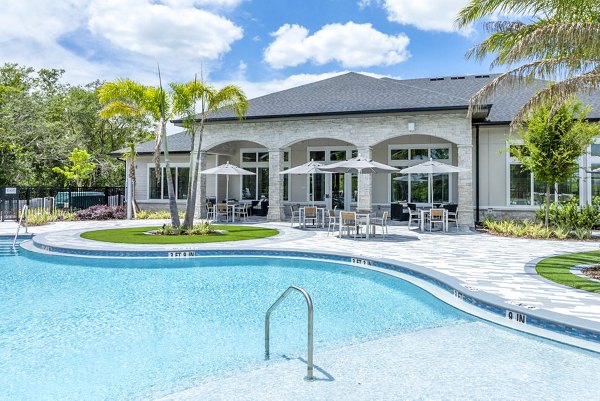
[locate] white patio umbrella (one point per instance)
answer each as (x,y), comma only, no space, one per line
(432,167)
(360,165)
(312,168)
(227,170)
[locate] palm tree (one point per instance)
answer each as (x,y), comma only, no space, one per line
(185,98)
(125,97)
(560,42)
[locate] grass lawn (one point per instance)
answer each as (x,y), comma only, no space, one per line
(136,235)
(557,268)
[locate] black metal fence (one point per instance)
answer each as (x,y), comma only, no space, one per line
(56,200)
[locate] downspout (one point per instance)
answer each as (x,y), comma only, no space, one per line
(477,220)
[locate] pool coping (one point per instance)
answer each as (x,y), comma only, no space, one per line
(572,330)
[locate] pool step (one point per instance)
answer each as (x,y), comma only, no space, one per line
(6,248)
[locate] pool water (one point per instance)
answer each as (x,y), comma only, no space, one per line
(74,328)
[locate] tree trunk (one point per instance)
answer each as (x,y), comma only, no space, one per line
(191,209)
(170,187)
(132,183)
(547,205)
(188,221)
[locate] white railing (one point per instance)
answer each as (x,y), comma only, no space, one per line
(24,212)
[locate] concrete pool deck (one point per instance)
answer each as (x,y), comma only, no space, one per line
(498,266)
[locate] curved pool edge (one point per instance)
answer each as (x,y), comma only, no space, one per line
(566,329)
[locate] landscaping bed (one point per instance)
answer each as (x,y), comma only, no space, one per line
(140,235)
(558,269)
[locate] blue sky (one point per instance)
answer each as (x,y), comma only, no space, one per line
(262,45)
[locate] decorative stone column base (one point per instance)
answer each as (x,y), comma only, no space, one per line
(466,217)
(276,210)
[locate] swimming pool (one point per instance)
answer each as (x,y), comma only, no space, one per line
(74,328)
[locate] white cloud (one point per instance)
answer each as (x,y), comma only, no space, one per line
(427,15)
(158,30)
(353,45)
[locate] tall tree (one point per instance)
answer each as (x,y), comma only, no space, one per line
(555,40)
(552,143)
(125,97)
(185,101)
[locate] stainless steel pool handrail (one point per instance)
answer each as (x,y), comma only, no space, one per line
(309,304)
(24,212)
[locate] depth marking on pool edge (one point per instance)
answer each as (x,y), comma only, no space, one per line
(516,316)
(363,262)
(182,254)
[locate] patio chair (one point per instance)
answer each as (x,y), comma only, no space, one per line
(437,216)
(242,211)
(332,220)
(222,210)
(348,222)
(295,215)
(210,211)
(413,214)
(452,211)
(310,213)
(381,222)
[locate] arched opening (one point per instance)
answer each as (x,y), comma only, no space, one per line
(330,190)
(248,155)
(409,150)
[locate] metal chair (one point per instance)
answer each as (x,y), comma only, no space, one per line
(348,222)
(242,211)
(452,213)
(295,215)
(381,222)
(210,211)
(222,210)
(437,216)
(310,213)
(413,213)
(332,220)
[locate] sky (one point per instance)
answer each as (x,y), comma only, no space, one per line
(262,45)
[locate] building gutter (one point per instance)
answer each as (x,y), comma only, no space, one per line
(335,113)
(477,220)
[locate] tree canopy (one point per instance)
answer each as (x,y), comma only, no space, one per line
(43,119)
(553,40)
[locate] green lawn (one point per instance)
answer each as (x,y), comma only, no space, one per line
(136,235)
(557,268)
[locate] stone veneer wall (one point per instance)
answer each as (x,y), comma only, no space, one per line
(363,131)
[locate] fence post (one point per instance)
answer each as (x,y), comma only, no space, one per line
(106,195)
(70,201)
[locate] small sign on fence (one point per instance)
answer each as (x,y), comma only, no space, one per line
(10,190)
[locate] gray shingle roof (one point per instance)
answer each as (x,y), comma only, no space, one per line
(356,93)
(180,142)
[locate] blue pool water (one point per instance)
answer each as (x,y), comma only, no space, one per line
(73,328)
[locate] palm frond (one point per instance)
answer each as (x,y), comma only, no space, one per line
(230,97)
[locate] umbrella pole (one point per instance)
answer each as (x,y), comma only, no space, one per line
(312,184)
(431,188)
(227,191)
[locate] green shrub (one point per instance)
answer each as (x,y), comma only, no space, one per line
(530,229)
(569,215)
(157,214)
(40,216)
(204,228)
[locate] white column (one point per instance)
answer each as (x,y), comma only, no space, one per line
(466,217)
(276,211)
(201,196)
(365,182)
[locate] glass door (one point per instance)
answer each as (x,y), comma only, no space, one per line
(337,190)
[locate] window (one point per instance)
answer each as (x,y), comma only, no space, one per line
(524,190)
(337,155)
(159,189)
(415,187)
(595,180)
(399,154)
(520,185)
(317,155)
(253,187)
(419,154)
